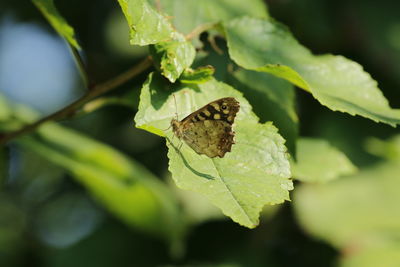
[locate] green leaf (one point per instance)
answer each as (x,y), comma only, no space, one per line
(116,182)
(319,162)
(173,56)
(243,181)
(379,255)
(336,82)
(57,21)
(355,212)
(146,25)
(170,50)
(123,186)
(255,173)
(273,99)
(186,15)
(208,56)
(199,75)
(388,149)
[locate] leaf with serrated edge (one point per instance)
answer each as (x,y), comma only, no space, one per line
(336,82)
(255,173)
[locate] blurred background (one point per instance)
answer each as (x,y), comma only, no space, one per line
(49,217)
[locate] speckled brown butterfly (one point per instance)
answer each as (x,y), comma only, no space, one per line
(209,130)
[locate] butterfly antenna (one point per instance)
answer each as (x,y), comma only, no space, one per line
(176,108)
(176,113)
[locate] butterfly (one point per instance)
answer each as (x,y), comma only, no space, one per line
(208,130)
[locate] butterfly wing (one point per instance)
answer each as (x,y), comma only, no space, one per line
(209,130)
(210,137)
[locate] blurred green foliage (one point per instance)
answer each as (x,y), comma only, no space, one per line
(95,191)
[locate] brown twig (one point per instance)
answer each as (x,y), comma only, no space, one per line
(89,95)
(199,30)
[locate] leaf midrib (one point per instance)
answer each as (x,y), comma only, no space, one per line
(231,193)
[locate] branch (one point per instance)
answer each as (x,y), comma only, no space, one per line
(199,30)
(74,106)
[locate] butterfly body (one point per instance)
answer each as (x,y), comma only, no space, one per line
(208,130)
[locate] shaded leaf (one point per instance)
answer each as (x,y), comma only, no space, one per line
(186,15)
(57,21)
(255,173)
(388,149)
(199,75)
(123,186)
(222,64)
(336,82)
(319,162)
(355,212)
(173,56)
(116,182)
(380,255)
(273,100)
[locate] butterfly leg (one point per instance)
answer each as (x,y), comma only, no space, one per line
(180,145)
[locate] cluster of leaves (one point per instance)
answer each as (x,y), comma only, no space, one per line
(263,63)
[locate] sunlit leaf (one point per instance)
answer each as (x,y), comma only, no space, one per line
(57,21)
(318,162)
(255,173)
(147,26)
(336,82)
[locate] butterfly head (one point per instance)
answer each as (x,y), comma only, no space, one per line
(175,124)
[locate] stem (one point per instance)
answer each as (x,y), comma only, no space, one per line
(104,101)
(199,30)
(89,95)
(81,66)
